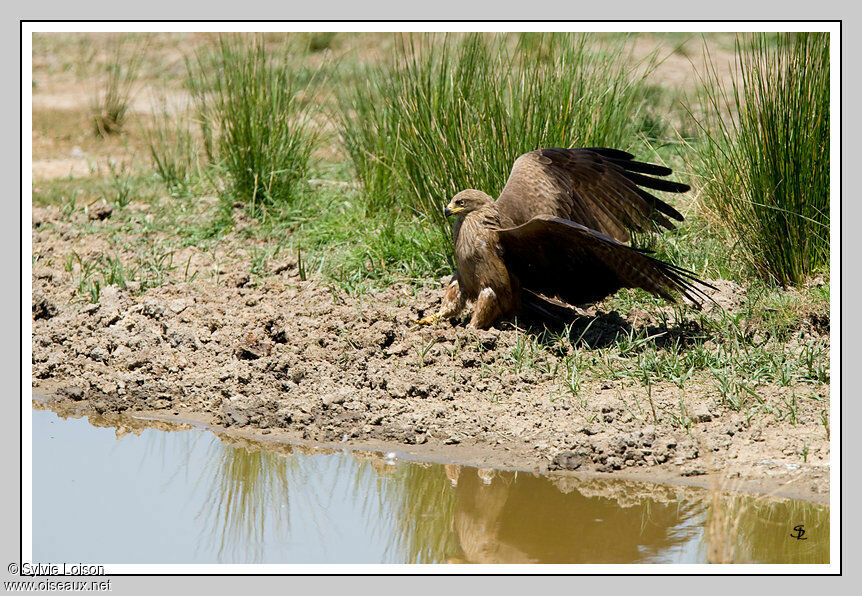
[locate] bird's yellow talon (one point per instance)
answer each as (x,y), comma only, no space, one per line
(429,320)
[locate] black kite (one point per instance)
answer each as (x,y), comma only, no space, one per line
(556,234)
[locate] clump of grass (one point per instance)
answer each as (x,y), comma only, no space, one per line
(110,105)
(174,149)
(64,192)
(765,156)
(454,112)
(151,268)
(120,184)
(781,313)
(256,120)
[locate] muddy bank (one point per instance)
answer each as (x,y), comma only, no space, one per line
(294,359)
(628,487)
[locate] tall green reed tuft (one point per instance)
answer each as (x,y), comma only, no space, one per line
(765,156)
(453,112)
(256,120)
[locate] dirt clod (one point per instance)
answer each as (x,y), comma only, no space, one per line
(43,308)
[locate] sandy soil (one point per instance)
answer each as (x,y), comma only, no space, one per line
(298,361)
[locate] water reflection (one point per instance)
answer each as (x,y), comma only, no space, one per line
(463,514)
(193,497)
(763,530)
(248,491)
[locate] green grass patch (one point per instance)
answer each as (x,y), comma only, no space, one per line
(731,356)
(764,160)
(90,274)
(256,126)
(119,186)
(175,150)
(340,241)
(453,112)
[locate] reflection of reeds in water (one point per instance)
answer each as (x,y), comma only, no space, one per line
(249,498)
(417,506)
(424,514)
(743,528)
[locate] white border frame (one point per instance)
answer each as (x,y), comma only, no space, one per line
(834,28)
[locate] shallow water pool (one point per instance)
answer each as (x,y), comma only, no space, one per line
(131,493)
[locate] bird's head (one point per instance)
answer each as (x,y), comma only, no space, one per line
(466,201)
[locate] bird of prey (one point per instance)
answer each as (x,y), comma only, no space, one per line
(557,235)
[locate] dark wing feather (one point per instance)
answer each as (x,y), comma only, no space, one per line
(557,257)
(598,188)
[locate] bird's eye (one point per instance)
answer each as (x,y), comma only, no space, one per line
(459,202)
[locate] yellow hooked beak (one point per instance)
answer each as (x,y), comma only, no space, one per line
(452,209)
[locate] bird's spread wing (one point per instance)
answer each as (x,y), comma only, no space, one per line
(599,188)
(557,257)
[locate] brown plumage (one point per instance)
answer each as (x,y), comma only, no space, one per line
(556,234)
